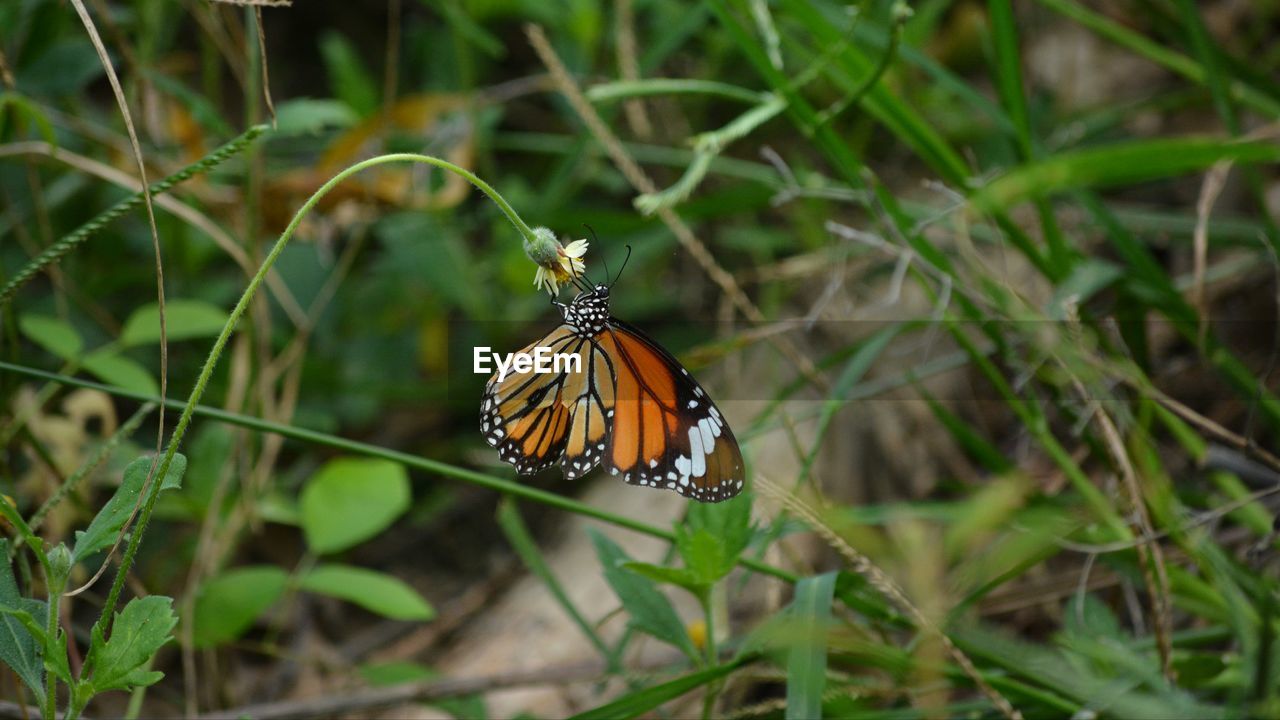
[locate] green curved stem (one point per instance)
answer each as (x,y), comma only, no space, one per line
(507,487)
(153,492)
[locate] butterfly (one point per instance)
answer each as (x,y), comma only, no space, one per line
(629,406)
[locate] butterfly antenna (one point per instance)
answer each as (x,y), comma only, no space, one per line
(595,240)
(625,260)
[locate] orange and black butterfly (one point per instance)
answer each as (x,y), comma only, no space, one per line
(630,406)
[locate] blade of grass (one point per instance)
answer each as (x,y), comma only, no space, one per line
(69,242)
(807,661)
(1123,163)
(637,703)
(518,535)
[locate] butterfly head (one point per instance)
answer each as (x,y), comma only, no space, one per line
(589,311)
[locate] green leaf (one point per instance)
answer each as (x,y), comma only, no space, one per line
(640,702)
(649,610)
(713,537)
(308,116)
(52,334)
(115,369)
(351,500)
(106,525)
(729,520)
(23,107)
(705,555)
(348,77)
(184,320)
(228,604)
(807,659)
(19,649)
(137,634)
(518,535)
(1118,164)
(374,591)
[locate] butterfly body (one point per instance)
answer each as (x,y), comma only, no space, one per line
(629,406)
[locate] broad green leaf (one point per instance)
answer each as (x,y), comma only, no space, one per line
(137,634)
(52,334)
(228,604)
(184,320)
(374,591)
(19,649)
(351,500)
(308,116)
(642,701)
(115,369)
(648,609)
(807,658)
(1123,163)
(730,521)
(705,555)
(349,79)
(106,525)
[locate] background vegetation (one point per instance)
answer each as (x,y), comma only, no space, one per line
(987,290)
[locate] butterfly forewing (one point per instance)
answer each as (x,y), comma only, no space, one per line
(666,432)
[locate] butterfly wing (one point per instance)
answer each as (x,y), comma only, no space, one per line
(591,413)
(665,432)
(527,415)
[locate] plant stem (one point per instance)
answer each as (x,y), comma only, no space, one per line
(712,653)
(135,539)
(50,709)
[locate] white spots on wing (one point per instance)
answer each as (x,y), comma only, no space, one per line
(697,452)
(498,433)
(693,404)
(705,429)
(683,465)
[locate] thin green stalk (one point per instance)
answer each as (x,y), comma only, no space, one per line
(153,492)
(84,232)
(50,709)
(712,653)
(428,465)
(522,542)
(624,89)
(104,451)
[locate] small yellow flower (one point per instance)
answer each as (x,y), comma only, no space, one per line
(698,633)
(561,267)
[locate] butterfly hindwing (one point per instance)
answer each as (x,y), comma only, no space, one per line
(592,413)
